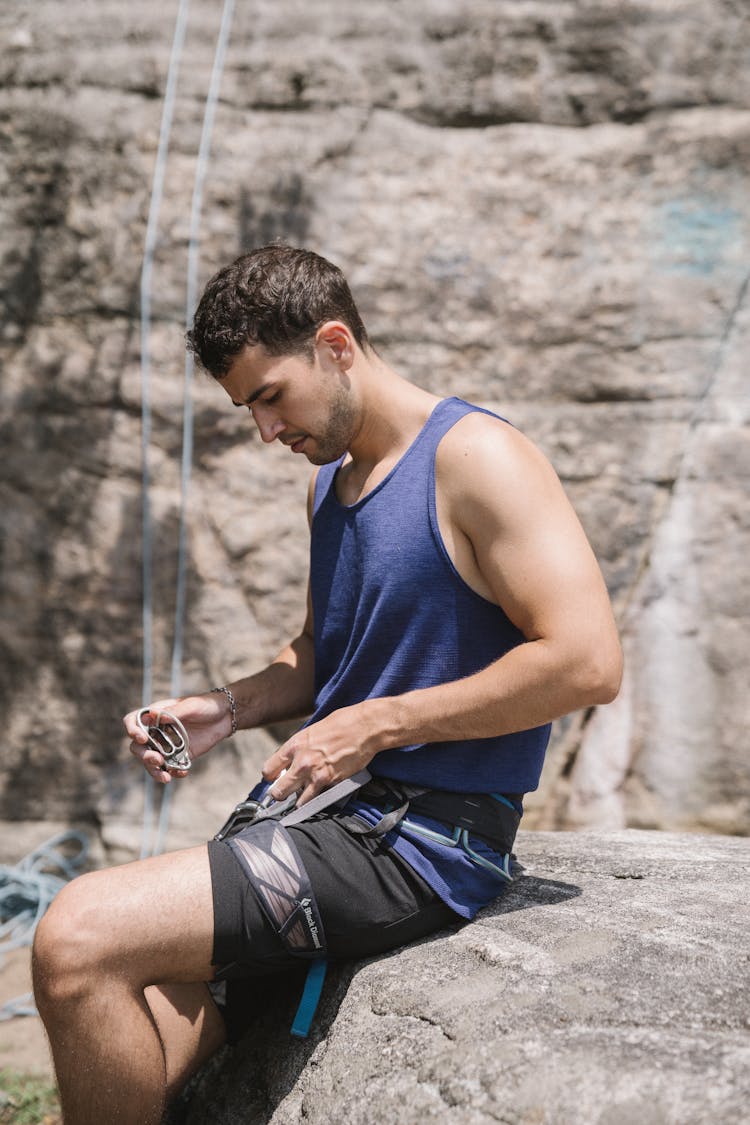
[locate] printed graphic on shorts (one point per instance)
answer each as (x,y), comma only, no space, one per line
(281,884)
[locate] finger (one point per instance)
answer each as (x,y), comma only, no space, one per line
(307,794)
(158,772)
(152,762)
(279,761)
(130,722)
(286,784)
(137,749)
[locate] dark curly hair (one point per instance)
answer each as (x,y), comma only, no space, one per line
(277,296)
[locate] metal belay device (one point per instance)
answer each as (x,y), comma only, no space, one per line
(168,737)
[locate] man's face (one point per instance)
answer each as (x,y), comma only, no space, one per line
(306,404)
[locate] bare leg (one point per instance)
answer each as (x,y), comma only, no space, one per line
(106,938)
(190,1027)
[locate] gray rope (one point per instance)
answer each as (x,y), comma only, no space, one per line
(157,192)
(187,416)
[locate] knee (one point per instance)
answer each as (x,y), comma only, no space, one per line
(65,945)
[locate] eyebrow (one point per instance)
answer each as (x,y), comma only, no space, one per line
(256,394)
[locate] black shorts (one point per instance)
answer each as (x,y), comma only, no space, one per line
(370,901)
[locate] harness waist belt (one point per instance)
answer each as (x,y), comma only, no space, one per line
(491,816)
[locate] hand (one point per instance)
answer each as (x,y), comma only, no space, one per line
(206,719)
(325,752)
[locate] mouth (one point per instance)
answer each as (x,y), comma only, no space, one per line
(296,446)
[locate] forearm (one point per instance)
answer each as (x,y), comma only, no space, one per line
(282,690)
(531,685)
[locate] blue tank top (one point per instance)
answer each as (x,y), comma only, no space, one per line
(392,614)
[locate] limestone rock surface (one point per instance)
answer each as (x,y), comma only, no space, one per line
(610,985)
(541,206)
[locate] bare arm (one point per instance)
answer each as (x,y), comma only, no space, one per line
(282,690)
(285,689)
(516,537)
(516,540)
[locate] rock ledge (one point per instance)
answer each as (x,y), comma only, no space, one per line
(609,986)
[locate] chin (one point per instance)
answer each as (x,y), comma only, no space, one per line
(320,457)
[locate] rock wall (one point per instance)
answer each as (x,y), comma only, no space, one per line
(540,205)
(609,986)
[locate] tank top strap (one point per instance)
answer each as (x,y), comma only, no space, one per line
(443,418)
(324,482)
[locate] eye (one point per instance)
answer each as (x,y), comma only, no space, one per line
(272,398)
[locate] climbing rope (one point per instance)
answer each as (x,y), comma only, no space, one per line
(157,192)
(26,890)
(155,846)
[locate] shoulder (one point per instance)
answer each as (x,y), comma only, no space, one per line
(476,431)
(483,454)
(493,484)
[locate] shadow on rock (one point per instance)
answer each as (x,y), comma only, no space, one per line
(530,890)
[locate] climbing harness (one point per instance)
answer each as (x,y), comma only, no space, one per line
(256,831)
(492,817)
(250,812)
(277,874)
(168,737)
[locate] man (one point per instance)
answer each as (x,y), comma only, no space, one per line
(455,610)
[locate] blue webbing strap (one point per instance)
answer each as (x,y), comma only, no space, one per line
(274,868)
(310,998)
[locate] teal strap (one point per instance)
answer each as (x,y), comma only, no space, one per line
(504,801)
(316,974)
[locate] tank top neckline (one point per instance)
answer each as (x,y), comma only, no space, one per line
(437,409)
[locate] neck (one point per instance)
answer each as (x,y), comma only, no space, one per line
(392,412)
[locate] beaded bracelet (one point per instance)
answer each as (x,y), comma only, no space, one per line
(232,705)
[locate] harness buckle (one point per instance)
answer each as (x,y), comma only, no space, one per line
(168,737)
(250,812)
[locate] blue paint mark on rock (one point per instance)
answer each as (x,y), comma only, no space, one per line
(695,236)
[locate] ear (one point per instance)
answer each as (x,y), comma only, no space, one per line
(337,340)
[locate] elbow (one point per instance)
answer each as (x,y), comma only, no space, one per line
(601,676)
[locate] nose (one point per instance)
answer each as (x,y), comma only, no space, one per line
(269,424)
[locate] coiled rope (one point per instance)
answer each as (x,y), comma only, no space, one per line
(26,890)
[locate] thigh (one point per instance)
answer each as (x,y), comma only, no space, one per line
(151,921)
(368,897)
(370,901)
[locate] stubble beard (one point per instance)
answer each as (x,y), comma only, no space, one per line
(336,437)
